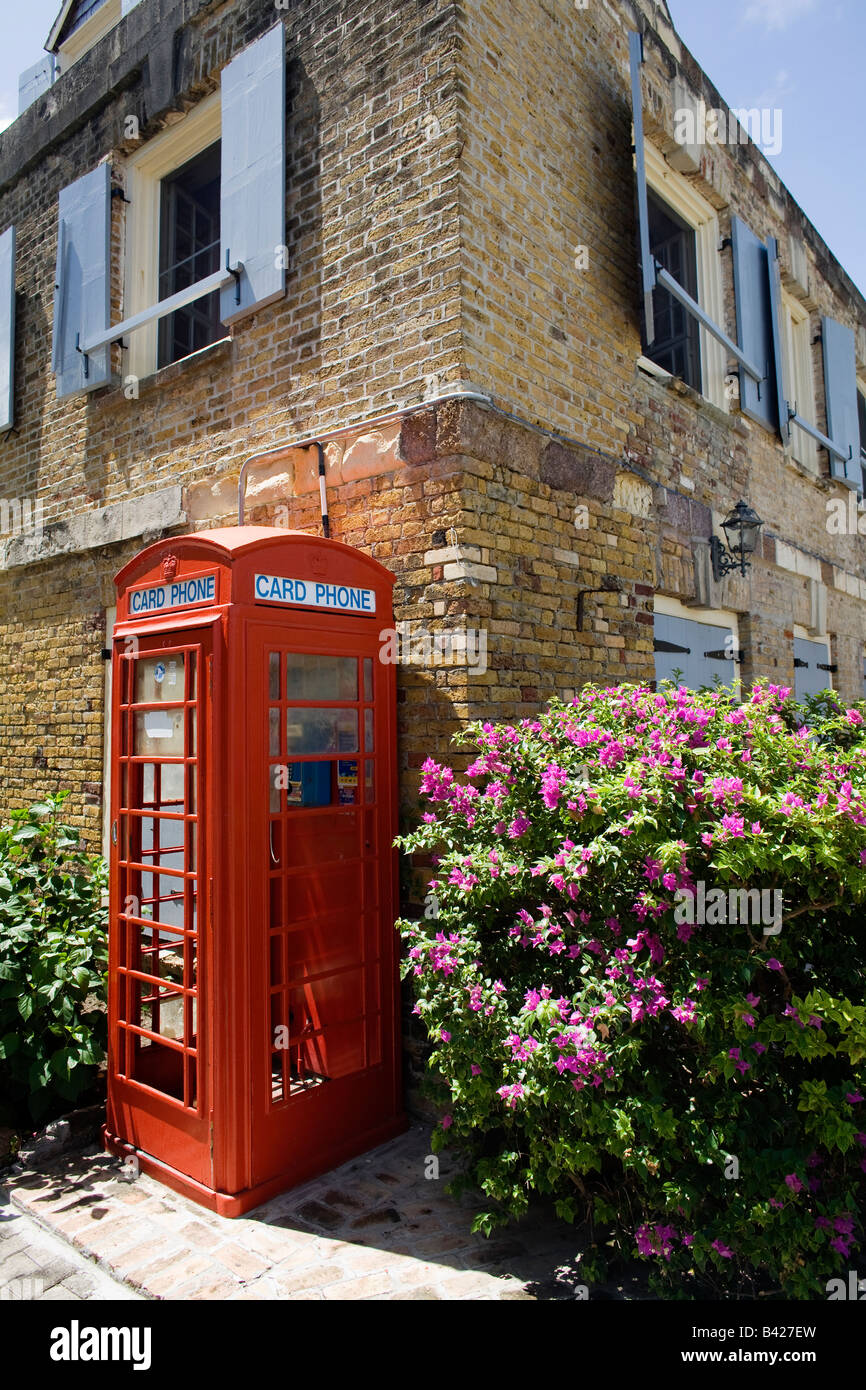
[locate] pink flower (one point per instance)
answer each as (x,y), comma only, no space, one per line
(446,1121)
(723,1250)
(476,1071)
(853,1097)
(793,1182)
(773,964)
(853,716)
(445,1035)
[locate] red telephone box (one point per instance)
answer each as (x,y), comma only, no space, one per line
(253,989)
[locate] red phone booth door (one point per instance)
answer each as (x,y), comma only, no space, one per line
(326,963)
(158,1061)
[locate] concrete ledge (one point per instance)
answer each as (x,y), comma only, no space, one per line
(120,521)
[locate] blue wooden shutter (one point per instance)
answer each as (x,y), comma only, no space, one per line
(7,328)
(698,639)
(809,679)
(34,81)
(840,393)
(253,174)
(758,400)
(776,336)
(127,5)
(81,294)
(647,260)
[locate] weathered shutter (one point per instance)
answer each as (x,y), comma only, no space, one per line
(647,260)
(81,295)
(699,651)
(758,400)
(253,174)
(7,328)
(775,282)
(840,393)
(809,657)
(34,81)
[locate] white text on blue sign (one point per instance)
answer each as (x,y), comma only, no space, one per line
(309,593)
(180,593)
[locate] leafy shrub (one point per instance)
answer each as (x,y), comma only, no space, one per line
(693,1090)
(52,960)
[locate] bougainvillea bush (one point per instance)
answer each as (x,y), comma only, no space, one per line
(53,961)
(616,1024)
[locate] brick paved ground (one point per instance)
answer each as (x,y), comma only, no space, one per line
(376,1228)
(36,1265)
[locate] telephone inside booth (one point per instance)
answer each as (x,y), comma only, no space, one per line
(253,997)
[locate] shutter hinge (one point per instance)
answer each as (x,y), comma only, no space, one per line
(236,272)
(823,667)
(722,654)
(660,645)
(106,653)
(798,662)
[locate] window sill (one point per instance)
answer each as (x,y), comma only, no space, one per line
(664,378)
(805,471)
(214,352)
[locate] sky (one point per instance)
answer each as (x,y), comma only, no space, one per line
(802,57)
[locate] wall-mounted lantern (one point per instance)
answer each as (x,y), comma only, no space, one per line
(741,527)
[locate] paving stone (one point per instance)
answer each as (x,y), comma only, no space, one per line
(213,1285)
(369,1286)
(178,1272)
(291,1285)
(241,1262)
(317,1214)
(60,1294)
(426,1292)
(18,1266)
(197,1234)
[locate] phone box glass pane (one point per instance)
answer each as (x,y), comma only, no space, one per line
(322,731)
(159,678)
(312,677)
(158,733)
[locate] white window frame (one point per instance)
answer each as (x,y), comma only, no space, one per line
(701,217)
(145,170)
(799,377)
